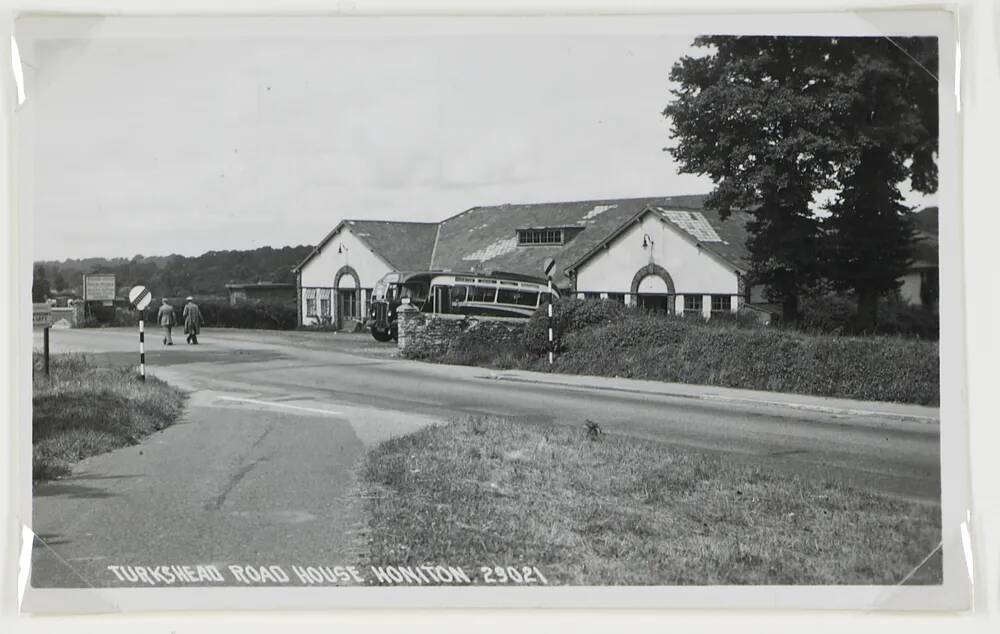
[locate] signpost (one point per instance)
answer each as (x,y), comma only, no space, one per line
(98,288)
(548,267)
(139,298)
(41,315)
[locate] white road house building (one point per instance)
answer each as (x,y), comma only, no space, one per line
(664,253)
(672,258)
(335,281)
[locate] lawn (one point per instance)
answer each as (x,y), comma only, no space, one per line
(627,511)
(82,409)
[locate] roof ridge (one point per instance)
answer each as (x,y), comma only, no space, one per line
(582,201)
(395,222)
(461,213)
(645,199)
(437,236)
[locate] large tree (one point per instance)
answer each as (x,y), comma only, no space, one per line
(751,114)
(774,121)
(39,286)
(888,132)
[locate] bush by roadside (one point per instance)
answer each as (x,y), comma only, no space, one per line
(220,314)
(607,339)
(630,511)
(568,315)
(836,314)
(82,409)
(687,351)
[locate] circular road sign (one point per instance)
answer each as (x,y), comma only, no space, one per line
(139,297)
(548,265)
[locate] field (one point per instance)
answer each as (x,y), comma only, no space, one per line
(594,508)
(81,410)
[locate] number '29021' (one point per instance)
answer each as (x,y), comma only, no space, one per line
(512,574)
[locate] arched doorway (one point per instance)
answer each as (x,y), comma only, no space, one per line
(347,300)
(653,288)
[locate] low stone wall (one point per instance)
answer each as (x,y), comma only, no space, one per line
(67,316)
(423,335)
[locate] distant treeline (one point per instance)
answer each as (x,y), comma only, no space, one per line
(177,275)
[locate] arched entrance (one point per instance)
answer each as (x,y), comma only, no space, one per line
(653,288)
(347,299)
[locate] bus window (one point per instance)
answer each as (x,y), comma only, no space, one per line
(482,294)
(529,298)
(413,291)
(441,300)
(458,293)
(508,296)
(517,297)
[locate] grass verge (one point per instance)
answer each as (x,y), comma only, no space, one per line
(81,409)
(626,511)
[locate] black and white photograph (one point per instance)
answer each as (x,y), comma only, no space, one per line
(442,311)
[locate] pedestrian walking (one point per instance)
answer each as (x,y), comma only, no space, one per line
(167,320)
(192,320)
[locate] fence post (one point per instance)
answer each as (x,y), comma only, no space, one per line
(45,338)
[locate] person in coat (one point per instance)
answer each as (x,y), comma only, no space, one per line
(192,320)
(167,320)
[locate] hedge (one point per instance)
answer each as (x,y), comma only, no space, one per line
(606,338)
(682,350)
(220,314)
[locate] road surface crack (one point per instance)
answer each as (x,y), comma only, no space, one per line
(216,503)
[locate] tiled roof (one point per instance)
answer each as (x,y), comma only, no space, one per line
(729,241)
(405,245)
(484,239)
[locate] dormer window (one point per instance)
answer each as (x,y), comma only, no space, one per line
(539,237)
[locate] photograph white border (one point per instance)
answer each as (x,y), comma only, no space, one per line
(955,592)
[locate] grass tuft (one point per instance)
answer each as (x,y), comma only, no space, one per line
(82,409)
(489,491)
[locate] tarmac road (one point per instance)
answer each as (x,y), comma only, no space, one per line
(260,471)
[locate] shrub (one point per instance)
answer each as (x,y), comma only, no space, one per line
(605,338)
(899,318)
(835,313)
(262,316)
(827,313)
(666,348)
(568,315)
(220,314)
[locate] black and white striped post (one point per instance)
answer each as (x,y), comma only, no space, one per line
(551,339)
(548,266)
(142,350)
(139,298)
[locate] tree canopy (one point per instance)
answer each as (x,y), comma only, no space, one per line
(174,275)
(775,121)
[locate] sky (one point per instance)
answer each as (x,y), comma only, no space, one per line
(185,145)
(237,138)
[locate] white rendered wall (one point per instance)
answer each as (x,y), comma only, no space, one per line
(321,270)
(693,270)
(910,290)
